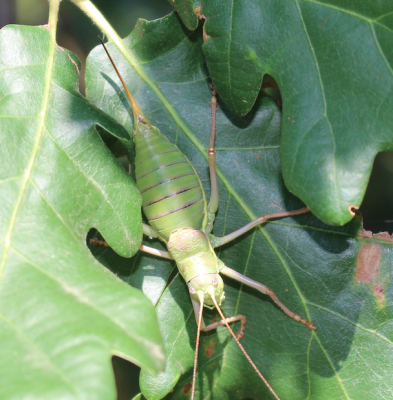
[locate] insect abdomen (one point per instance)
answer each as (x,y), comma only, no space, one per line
(172,193)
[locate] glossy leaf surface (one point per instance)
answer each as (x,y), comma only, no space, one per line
(62,314)
(333,62)
(313,268)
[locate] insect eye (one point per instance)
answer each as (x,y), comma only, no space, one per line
(192,290)
(215,281)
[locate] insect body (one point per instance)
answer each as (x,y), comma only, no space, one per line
(175,205)
(172,193)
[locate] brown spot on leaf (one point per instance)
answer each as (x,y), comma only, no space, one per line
(323,24)
(205,35)
(210,348)
(71,59)
(198,12)
(368,261)
(369,269)
(187,388)
(275,205)
(378,291)
(201,16)
(383,236)
(365,234)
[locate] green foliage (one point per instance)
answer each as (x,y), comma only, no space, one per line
(63,314)
(333,61)
(309,265)
(59,318)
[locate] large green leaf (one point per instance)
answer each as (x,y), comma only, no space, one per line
(310,266)
(62,314)
(333,61)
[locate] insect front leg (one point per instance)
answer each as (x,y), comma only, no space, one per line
(211,156)
(149,231)
(214,325)
(239,317)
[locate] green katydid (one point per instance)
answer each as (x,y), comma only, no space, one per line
(175,205)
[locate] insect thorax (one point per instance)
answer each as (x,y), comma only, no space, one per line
(197,263)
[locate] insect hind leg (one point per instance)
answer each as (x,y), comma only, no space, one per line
(211,156)
(265,290)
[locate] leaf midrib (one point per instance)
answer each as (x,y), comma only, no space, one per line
(33,156)
(325,114)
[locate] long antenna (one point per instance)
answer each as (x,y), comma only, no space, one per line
(242,349)
(135,108)
(197,347)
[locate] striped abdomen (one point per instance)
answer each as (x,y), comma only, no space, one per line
(172,193)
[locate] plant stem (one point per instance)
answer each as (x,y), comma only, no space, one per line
(53,14)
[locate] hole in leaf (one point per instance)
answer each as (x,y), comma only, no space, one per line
(377,206)
(126,378)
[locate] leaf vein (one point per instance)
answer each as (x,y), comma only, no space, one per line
(34,152)
(357,325)
(247,148)
(10,179)
(77,295)
(40,352)
(59,217)
(324,103)
(331,366)
(381,52)
(353,13)
(100,188)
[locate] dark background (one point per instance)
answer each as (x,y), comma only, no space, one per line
(77,33)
